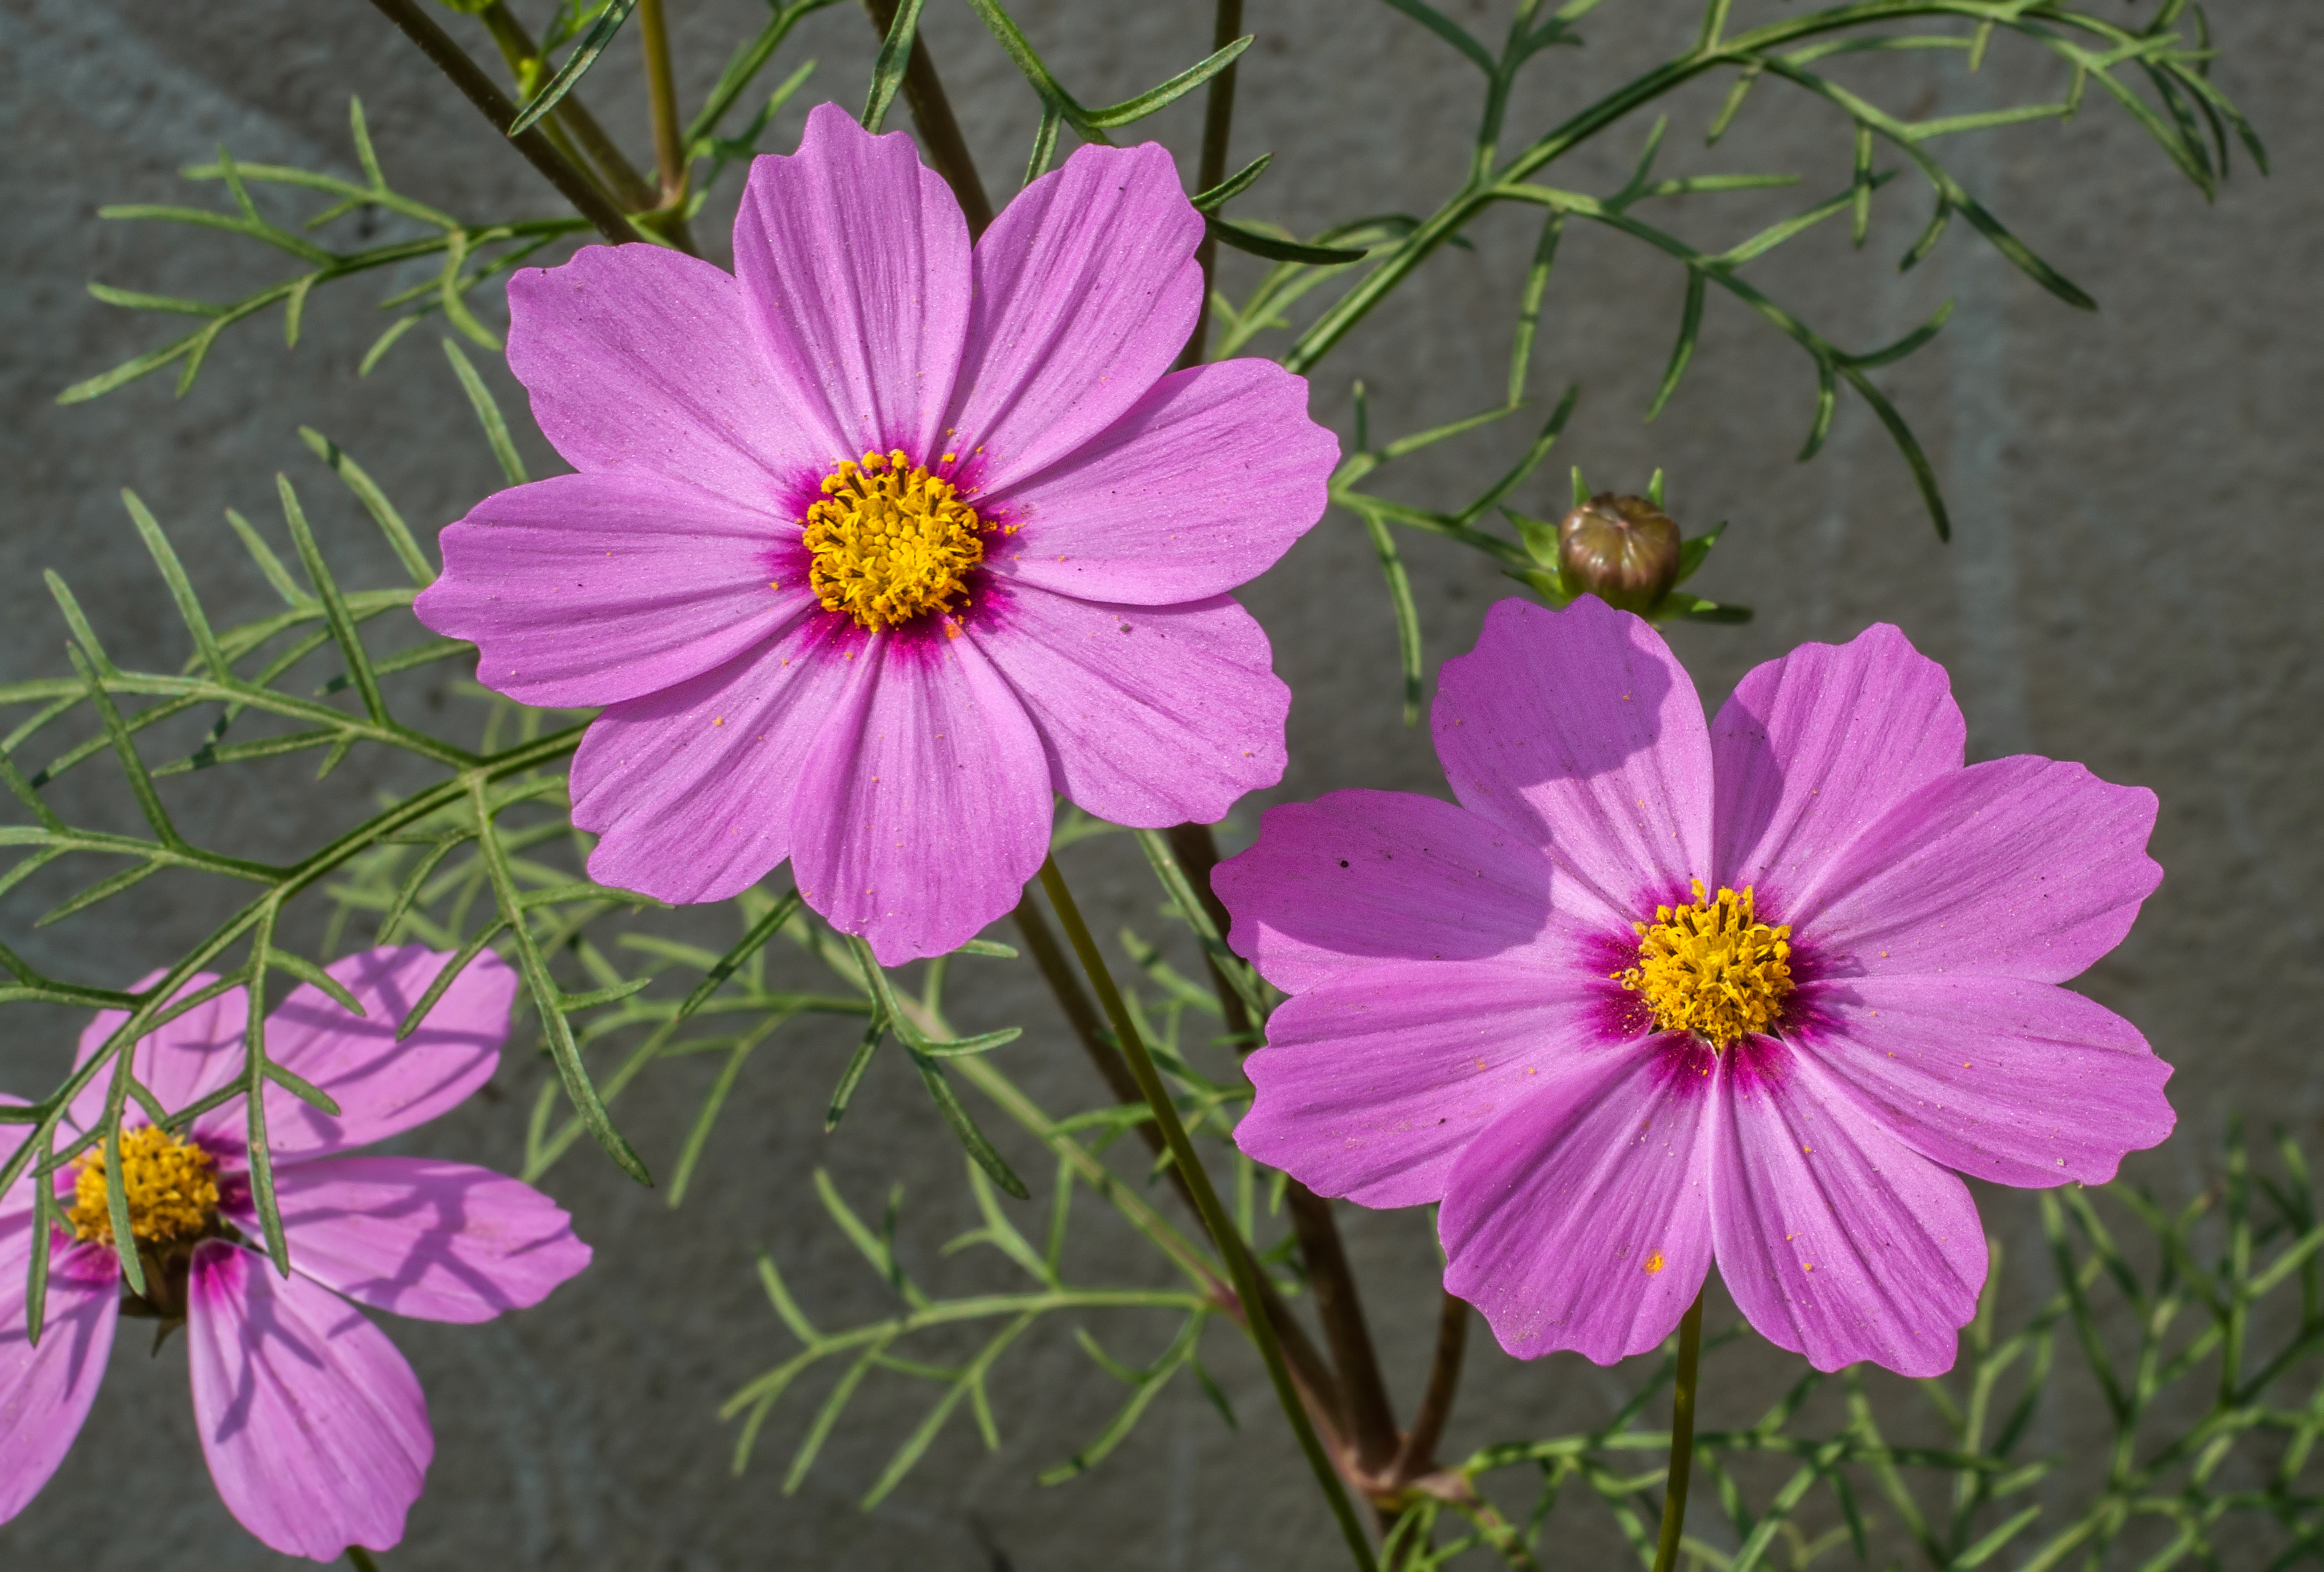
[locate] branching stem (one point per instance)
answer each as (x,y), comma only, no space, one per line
(1240,1267)
(669,141)
(480,90)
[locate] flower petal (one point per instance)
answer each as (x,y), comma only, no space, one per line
(45,1390)
(855,268)
(186,1060)
(439,1241)
(1838,1241)
(1372,1083)
(1359,878)
(1086,289)
(591,589)
(639,360)
(2019,866)
(314,1427)
(1580,1218)
(923,812)
(693,790)
(1580,732)
(2015,1081)
(381,1085)
(1203,485)
(1814,746)
(1150,715)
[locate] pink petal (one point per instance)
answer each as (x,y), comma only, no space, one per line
(2011,1080)
(381,1085)
(1358,877)
(639,360)
(1150,715)
(1203,485)
(1812,748)
(1373,1082)
(185,1061)
(591,589)
(922,812)
(45,1390)
(693,789)
(314,1427)
(1837,1240)
(1580,1218)
(1086,289)
(2018,867)
(439,1241)
(1579,730)
(855,268)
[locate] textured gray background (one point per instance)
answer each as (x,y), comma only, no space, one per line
(2133,584)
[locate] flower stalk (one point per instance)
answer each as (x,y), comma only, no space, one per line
(670,140)
(1218,128)
(940,138)
(1240,1267)
(1682,1452)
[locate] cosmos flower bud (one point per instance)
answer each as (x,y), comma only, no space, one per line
(1624,550)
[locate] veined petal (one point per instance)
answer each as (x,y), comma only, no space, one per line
(591,589)
(922,811)
(640,360)
(1814,746)
(1581,1218)
(314,1427)
(1357,879)
(693,790)
(1150,715)
(434,1240)
(2015,1081)
(1838,1241)
(188,1059)
(854,267)
(2020,867)
(1579,730)
(1202,485)
(381,1086)
(1372,1083)
(1086,289)
(45,1390)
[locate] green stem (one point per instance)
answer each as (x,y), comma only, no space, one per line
(480,90)
(1682,1452)
(1218,128)
(669,141)
(360,1559)
(1240,1267)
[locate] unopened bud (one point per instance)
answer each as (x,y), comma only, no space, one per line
(1622,549)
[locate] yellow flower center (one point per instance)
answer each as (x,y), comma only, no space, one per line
(892,542)
(173,1196)
(1711,968)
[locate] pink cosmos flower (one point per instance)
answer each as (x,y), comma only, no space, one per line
(879,541)
(1654,993)
(313,1426)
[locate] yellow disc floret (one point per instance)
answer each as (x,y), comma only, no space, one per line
(173,1193)
(892,542)
(1712,968)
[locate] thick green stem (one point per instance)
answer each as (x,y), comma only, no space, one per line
(518,48)
(1218,129)
(480,90)
(669,141)
(940,135)
(1240,1267)
(1682,1452)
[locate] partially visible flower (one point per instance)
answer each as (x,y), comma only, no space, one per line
(313,1426)
(880,541)
(1655,993)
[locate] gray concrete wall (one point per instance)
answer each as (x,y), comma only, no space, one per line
(2132,584)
